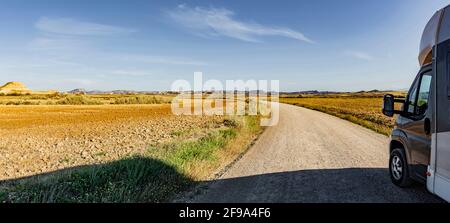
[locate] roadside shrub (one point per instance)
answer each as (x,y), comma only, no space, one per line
(230,123)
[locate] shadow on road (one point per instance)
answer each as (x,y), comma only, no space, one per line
(325,185)
(141,179)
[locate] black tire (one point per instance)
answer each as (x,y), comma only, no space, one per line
(398,159)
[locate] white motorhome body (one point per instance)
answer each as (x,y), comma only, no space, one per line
(435,50)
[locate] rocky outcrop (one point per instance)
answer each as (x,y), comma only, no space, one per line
(14,88)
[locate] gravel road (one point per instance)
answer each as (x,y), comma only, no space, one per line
(311,157)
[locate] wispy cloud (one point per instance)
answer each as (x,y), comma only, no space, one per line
(359,55)
(160,60)
(68,26)
(220,22)
(72,38)
(57,43)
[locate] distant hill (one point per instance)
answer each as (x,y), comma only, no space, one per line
(77,91)
(14,88)
(316,92)
(84,91)
(312,92)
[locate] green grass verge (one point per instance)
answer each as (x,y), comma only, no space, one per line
(134,179)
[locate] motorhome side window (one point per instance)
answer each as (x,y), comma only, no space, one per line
(419,97)
(424,94)
(412,98)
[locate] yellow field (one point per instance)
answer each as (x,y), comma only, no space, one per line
(363,109)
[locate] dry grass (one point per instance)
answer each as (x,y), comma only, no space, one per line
(360,108)
(200,158)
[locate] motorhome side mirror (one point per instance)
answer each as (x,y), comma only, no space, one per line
(388,105)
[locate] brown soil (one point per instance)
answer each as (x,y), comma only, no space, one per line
(39,139)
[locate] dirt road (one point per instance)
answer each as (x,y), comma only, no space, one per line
(311,157)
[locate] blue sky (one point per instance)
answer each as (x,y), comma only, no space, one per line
(345,45)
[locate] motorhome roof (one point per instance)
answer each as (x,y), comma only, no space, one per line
(436,31)
(429,38)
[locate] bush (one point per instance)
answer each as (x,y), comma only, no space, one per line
(22,102)
(143,99)
(77,100)
(46,96)
(14,94)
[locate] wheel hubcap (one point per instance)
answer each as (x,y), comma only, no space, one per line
(397,168)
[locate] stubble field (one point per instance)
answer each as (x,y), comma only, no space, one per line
(86,153)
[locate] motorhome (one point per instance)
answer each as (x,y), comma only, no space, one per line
(420,141)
